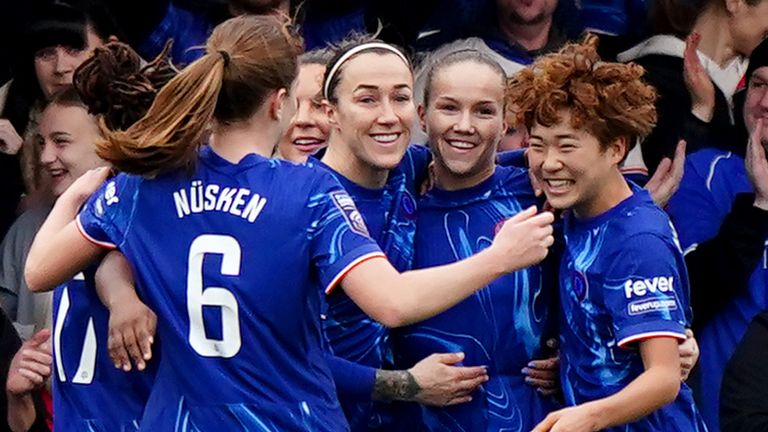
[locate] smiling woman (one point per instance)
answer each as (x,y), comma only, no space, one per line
(583,120)
(623,286)
(68,134)
(463,115)
(369,89)
(55,42)
(308,132)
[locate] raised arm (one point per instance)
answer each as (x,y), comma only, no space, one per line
(396,299)
(59,251)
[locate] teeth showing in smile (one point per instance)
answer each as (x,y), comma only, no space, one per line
(462,145)
(307,141)
(56,172)
(385,139)
(558,183)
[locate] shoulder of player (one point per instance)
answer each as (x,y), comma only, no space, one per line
(123,181)
(652,242)
(642,222)
(419,151)
(297,176)
(120,189)
(415,160)
(514,178)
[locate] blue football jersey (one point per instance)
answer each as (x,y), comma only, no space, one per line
(622,280)
(230,259)
(390,215)
(502,326)
(89,393)
(710,184)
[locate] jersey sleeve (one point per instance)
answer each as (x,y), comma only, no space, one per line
(645,292)
(339,239)
(512,158)
(106,216)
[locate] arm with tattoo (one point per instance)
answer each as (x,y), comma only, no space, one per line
(437,380)
(395,385)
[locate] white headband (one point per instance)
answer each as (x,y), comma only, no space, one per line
(355,50)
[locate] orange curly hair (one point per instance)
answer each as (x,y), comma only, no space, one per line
(607,99)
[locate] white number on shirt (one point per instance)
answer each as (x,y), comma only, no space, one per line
(84,374)
(199,296)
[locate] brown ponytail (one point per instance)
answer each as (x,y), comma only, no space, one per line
(246,58)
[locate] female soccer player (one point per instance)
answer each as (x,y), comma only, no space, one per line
(505,325)
(88,392)
(227,243)
(308,132)
(623,284)
(368,93)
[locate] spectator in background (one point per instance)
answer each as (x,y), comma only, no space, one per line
(728,31)
(522,31)
(21,408)
(58,39)
(721,215)
(29,369)
(150,23)
(744,396)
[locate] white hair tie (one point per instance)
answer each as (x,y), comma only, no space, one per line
(347,55)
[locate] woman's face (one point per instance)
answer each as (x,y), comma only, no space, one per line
(374,109)
(465,119)
(309,128)
(55,65)
(68,138)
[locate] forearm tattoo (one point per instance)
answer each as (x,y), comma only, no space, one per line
(395,385)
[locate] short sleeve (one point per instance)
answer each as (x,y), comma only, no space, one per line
(339,239)
(106,216)
(645,291)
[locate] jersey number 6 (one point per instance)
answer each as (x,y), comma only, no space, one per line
(199,296)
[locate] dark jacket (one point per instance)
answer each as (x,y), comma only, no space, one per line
(661,56)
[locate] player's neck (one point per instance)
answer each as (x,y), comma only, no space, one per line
(237,140)
(351,167)
(613,191)
(448,181)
